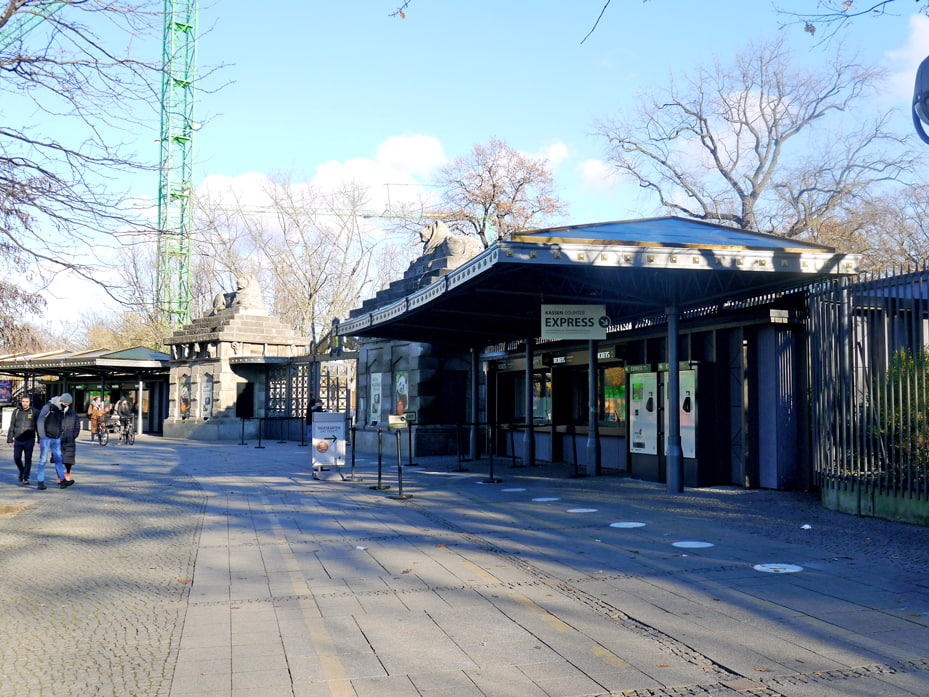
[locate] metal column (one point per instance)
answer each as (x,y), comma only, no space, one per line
(529,436)
(593,429)
(475,407)
(675,454)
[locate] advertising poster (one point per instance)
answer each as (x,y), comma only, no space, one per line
(375,414)
(614,394)
(403,396)
(208,397)
(643,413)
(184,400)
(688,412)
(328,439)
(6,390)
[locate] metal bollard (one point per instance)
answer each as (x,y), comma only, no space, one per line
(242,442)
(491,479)
(380,461)
(458,448)
(351,477)
(409,430)
(260,420)
(513,448)
(400,495)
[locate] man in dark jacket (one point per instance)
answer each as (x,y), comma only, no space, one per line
(21,436)
(50,428)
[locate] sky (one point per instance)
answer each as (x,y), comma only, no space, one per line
(342,90)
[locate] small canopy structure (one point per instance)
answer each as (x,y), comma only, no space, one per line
(138,361)
(634,268)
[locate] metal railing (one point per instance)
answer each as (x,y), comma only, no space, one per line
(869,383)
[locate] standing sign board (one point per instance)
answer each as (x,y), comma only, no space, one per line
(328,439)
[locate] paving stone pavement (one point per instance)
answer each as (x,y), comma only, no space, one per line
(176,568)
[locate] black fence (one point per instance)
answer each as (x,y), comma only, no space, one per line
(869,383)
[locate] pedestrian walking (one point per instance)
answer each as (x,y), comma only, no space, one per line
(70,430)
(22,436)
(50,427)
(312,407)
(97,414)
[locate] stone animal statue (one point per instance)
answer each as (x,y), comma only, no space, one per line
(442,248)
(247,296)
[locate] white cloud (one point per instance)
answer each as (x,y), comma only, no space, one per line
(597,176)
(416,155)
(904,61)
(391,176)
(554,154)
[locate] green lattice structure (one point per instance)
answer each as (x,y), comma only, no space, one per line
(26,20)
(175,191)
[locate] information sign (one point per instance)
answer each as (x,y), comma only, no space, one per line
(574,322)
(328,439)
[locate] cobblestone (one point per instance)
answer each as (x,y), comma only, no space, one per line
(209,569)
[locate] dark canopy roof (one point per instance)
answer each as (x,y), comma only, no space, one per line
(635,268)
(137,361)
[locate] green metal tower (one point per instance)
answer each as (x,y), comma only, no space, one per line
(22,23)
(175,190)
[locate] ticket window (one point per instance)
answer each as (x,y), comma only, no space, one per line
(541,397)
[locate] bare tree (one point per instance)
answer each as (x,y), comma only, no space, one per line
(496,191)
(315,253)
(834,14)
(762,145)
(73,98)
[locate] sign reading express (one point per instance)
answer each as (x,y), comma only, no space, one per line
(574,322)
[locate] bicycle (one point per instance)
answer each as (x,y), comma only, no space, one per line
(127,431)
(103,431)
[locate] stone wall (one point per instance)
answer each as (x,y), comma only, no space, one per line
(213,359)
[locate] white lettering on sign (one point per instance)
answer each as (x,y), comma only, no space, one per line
(574,321)
(560,359)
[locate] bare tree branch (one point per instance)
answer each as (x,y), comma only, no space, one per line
(753,145)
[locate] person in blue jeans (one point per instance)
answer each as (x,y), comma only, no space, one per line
(50,428)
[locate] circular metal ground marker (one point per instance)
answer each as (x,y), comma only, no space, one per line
(515,488)
(547,498)
(778,568)
(582,510)
(627,524)
(692,544)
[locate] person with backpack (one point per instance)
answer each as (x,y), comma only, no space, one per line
(50,427)
(21,436)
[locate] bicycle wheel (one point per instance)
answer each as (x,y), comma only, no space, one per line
(103,437)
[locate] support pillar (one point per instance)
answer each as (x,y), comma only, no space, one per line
(473,438)
(138,408)
(529,436)
(593,426)
(675,454)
